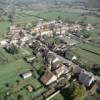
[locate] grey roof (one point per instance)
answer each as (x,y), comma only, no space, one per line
(76,69)
(86,78)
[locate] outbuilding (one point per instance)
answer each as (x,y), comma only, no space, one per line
(26,75)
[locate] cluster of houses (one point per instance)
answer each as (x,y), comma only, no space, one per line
(19,35)
(52,28)
(58,67)
(55,68)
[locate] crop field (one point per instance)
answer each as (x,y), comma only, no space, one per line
(87,53)
(69,14)
(92,20)
(46,14)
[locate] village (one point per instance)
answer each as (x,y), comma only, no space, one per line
(48,40)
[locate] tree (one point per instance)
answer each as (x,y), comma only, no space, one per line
(79,92)
(74,92)
(59,18)
(96,96)
(39,64)
(12,49)
(85,34)
(20,97)
(18,82)
(10,19)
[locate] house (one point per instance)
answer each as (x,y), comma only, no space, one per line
(86,78)
(15,42)
(48,78)
(4,43)
(76,69)
(61,70)
(50,56)
(55,60)
(74,58)
(48,33)
(89,27)
(17,35)
(26,75)
(55,65)
(30,59)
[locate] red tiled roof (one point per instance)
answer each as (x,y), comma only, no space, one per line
(46,77)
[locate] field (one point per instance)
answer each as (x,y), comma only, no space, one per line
(87,53)
(9,73)
(52,14)
(11,67)
(3,27)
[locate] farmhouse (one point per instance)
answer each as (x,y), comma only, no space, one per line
(48,78)
(61,70)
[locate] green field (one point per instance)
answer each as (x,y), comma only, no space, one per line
(3,27)
(9,73)
(69,14)
(89,47)
(11,66)
(87,53)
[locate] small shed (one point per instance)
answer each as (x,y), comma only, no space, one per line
(26,75)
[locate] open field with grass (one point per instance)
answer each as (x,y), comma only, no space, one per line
(11,66)
(9,73)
